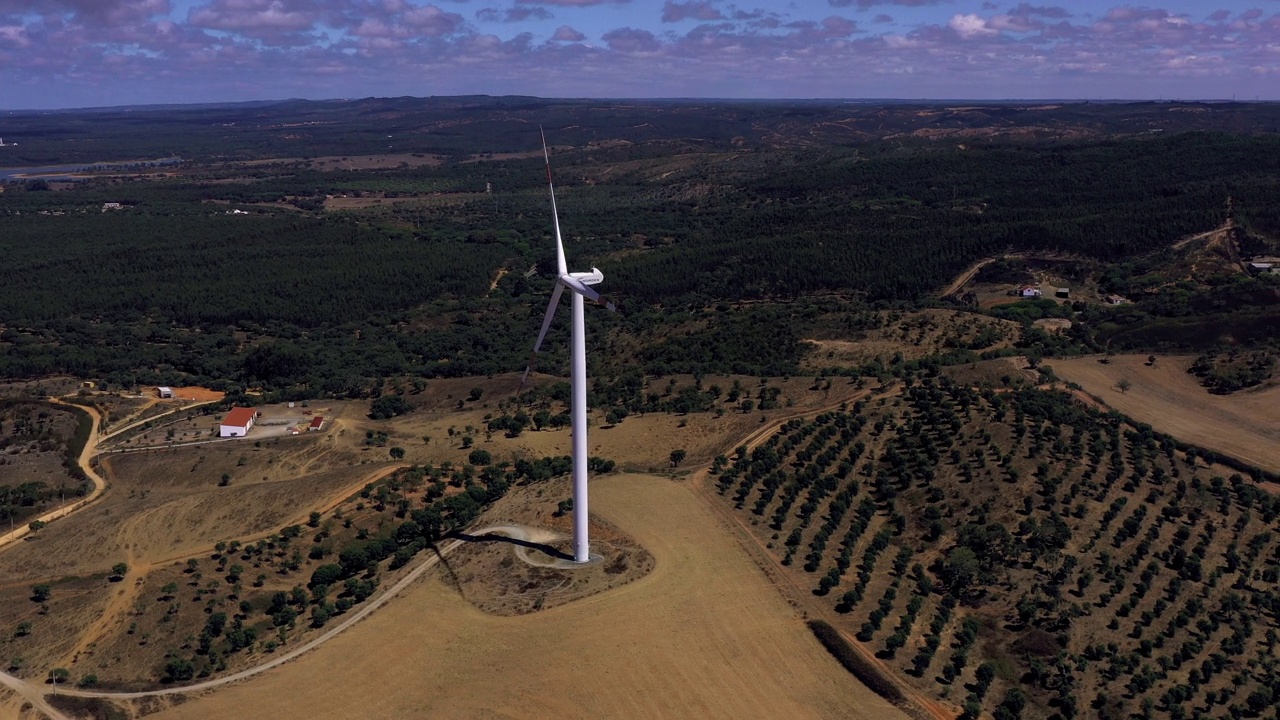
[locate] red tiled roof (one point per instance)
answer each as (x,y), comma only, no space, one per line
(317,421)
(239,417)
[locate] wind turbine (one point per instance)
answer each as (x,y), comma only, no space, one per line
(578,283)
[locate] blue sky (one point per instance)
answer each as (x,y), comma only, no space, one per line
(72,53)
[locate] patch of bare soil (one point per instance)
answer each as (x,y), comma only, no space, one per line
(1053,325)
(997,372)
(194,392)
(508,577)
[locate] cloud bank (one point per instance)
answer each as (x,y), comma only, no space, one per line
(107,52)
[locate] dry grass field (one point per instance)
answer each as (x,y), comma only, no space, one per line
(913,335)
(158,507)
(1245,425)
(703,635)
(639,443)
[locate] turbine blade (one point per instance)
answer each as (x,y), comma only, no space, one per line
(561,266)
(542,334)
(546,319)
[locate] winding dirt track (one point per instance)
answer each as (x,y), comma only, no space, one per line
(86,463)
(283,658)
(36,694)
(86,456)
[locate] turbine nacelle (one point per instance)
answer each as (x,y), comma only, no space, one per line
(595,277)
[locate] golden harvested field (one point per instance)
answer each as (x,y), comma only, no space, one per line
(1245,425)
(703,635)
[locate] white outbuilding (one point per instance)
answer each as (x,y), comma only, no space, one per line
(237,422)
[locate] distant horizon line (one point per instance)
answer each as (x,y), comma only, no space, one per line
(674,98)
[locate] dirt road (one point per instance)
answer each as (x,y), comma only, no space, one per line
(85,462)
(283,658)
(35,694)
(966,276)
(86,456)
(31,694)
(153,418)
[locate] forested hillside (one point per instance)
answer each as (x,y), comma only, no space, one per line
(333,279)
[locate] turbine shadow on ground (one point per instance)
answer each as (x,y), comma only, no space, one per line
(527,544)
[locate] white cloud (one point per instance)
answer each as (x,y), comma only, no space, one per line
(970,26)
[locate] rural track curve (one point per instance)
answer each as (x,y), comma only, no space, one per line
(36,694)
(85,461)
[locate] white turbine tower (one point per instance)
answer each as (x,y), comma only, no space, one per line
(579,284)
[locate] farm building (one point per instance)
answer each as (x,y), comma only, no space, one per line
(1063,292)
(237,422)
(317,423)
(1029,291)
(164,392)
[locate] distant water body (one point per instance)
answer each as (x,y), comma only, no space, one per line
(70,172)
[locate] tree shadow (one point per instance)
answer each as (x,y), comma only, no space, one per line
(545,549)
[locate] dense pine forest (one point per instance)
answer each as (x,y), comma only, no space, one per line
(725,233)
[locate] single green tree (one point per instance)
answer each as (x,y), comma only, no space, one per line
(179,669)
(397,453)
(677,457)
(960,569)
(119,570)
(41,593)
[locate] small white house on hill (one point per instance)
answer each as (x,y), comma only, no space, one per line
(237,422)
(1029,291)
